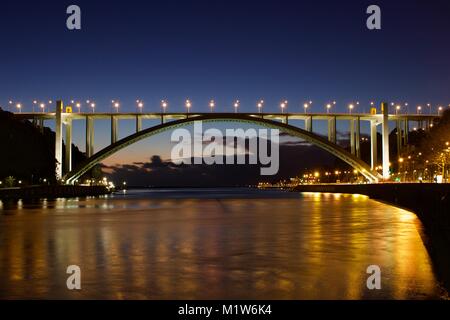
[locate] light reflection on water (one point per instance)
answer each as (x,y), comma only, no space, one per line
(209,244)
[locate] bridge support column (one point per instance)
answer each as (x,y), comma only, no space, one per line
(405,131)
(114,125)
(373,145)
(68,153)
(332,130)
(399,138)
(352,137)
(58,139)
(358,138)
(385,138)
(138,124)
(308,124)
(41,125)
(89,136)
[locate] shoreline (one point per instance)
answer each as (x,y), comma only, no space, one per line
(62,191)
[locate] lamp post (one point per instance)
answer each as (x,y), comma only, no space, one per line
(140,105)
(419,109)
(188,105)
(328,106)
(79,107)
(440,110)
(305,107)
(397,109)
(283,105)
(164,105)
(212,104)
(260,105)
(350,108)
(42,106)
(34,103)
(19,107)
(93,107)
(429,107)
(116,106)
(236,106)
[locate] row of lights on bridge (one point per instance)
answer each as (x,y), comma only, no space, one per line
(260,104)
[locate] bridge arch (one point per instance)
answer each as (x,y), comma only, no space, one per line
(322,143)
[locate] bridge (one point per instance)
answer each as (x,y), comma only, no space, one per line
(64,118)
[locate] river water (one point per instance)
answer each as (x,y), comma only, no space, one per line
(213,244)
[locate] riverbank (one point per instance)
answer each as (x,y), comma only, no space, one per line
(52,192)
(430,202)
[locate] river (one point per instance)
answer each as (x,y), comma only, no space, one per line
(213,244)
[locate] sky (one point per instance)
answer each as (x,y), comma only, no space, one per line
(223,50)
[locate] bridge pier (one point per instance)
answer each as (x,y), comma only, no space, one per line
(89,136)
(373,145)
(114,125)
(358,137)
(41,125)
(58,139)
(138,124)
(308,124)
(68,153)
(352,137)
(385,138)
(399,138)
(332,130)
(405,131)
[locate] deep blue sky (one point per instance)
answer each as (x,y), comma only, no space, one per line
(296,50)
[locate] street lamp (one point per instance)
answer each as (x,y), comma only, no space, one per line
(19,107)
(236,106)
(305,106)
(188,105)
(397,109)
(283,105)
(42,105)
(419,109)
(164,105)
(140,105)
(350,108)
(212,105)
(440,110)
(93,106)
(429,107)
(116,105)
(34,103)
(328,107)
(78,105)
(260,105)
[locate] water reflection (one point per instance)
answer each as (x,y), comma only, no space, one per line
(212,244)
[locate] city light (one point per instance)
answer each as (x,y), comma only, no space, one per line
(116,105)
(236,106)
(212,104)
(328,108)
(419,110)
(93,107)
(42,106)
(78,105)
